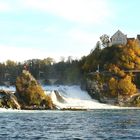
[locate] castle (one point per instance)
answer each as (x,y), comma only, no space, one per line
(120,38)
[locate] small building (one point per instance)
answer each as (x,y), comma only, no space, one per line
(132,39)
(138,37)
(119,38)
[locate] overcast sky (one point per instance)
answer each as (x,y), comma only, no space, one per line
(54,28)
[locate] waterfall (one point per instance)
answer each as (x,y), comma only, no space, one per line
(66,97)
(71,97)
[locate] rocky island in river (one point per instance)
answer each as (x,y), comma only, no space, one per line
(29,95)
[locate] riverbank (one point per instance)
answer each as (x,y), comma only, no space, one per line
(99,91)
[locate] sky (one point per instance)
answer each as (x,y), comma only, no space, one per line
(37,29)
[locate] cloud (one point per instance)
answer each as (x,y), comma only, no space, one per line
(13,53)
(91,11)
(20,54)
(50,29)
(5,7)
(83,37)
(57,39)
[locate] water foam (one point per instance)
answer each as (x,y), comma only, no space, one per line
(65,97)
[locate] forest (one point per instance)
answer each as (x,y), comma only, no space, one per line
(65,72)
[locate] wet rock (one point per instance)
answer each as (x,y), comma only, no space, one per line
(8,100)
(134,101)
(94,89)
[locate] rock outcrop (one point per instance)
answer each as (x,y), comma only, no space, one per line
(134,101)
(8,100)
(30,94)
(93,89)
(97,91)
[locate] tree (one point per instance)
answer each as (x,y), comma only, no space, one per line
(29,92)
(126,87)
(113,83)
(10,63)
(48,61)
(92,60)
(105,40)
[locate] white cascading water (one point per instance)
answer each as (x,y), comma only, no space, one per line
(69,97)
(65,97)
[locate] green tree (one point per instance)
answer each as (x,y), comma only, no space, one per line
(105,40)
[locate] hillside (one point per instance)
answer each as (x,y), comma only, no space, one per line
(118,77)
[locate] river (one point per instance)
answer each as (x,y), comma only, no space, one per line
(102,122)
(70,125)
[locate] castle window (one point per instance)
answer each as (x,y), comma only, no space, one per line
(119,39)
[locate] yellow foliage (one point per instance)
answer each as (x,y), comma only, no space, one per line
(137,60)
(129,65)
(135,45)
(131,53)
(116,70)
(126,87)
(122,87)
(113,86)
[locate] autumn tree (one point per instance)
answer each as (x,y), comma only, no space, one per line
(113,87)
(126,87)
(29,92)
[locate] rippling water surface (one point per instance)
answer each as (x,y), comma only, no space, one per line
(77,125)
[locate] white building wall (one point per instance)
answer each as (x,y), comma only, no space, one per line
(119,38)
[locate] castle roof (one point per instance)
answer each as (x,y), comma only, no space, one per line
(118,32)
